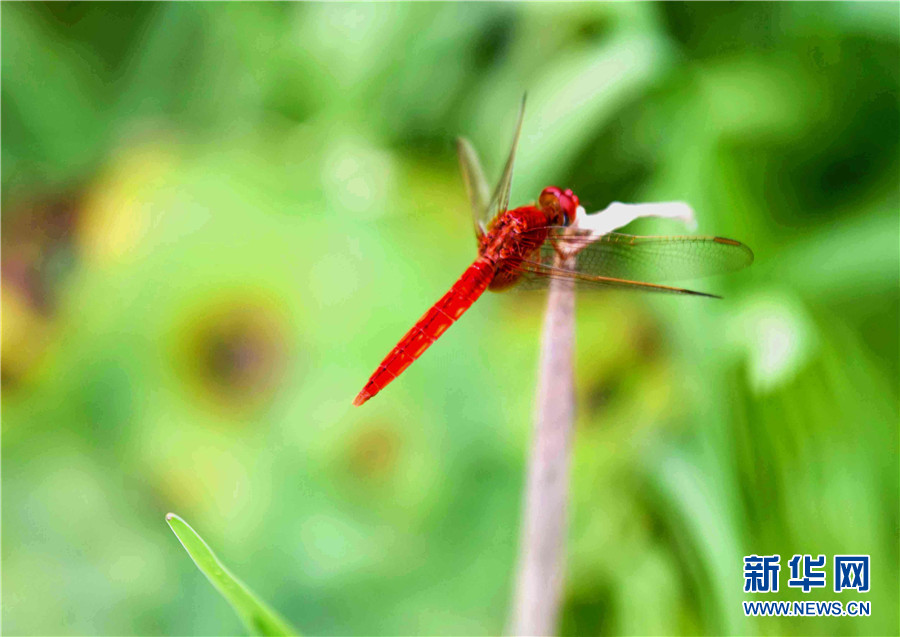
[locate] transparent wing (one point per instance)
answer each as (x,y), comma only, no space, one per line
(537,276)
(623,256)
(500,200)
(486,206)
(476,184)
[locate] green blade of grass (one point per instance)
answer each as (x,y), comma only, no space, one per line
(259,618)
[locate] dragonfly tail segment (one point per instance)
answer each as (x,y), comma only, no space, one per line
(429,328)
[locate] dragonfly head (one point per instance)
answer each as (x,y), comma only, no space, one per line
(559,205)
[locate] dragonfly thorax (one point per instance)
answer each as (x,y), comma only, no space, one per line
(559,205)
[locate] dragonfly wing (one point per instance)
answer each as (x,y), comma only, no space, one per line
(634,258)
(476,184)
(486,206)
(500,200)
(536,276)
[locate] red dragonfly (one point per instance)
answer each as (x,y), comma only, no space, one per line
(522,247)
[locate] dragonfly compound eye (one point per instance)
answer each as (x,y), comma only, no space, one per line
(560,203)
(569,203)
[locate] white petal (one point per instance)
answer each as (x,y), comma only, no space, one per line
(619,214)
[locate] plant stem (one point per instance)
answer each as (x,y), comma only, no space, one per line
(542,554)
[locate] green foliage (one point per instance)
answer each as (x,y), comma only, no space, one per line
(218,218)
(256,614)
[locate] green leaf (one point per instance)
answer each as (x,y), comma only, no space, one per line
(259,618)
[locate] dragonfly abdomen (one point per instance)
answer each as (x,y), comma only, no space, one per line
(430,327)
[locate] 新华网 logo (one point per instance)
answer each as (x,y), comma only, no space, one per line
(850,572)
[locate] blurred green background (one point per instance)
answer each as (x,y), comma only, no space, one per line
(217,219)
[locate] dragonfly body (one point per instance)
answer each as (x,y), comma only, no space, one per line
(512,237)
(521,247)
